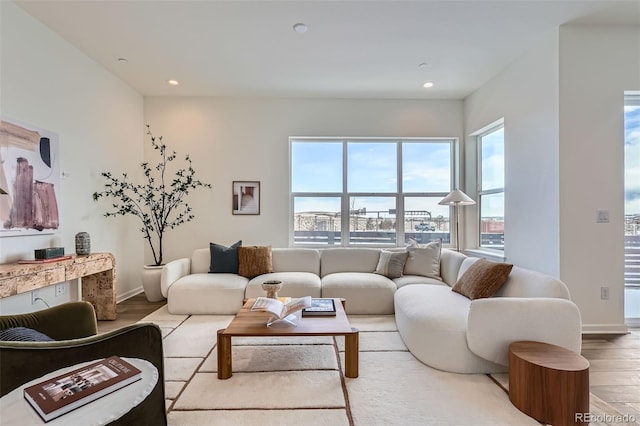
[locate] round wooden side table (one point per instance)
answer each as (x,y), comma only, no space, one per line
(549,383)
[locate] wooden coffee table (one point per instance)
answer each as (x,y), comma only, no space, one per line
(248,323)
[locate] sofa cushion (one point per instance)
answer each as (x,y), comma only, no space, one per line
(432,321)
(296,260)
(23,334)
(391,264)
(294,284)
(365,293)
(424,259)
(213,294)
(416,279)
(348,260)
(254,261)
(483,279)
(224,260)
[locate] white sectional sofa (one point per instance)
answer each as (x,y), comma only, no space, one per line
(443,329)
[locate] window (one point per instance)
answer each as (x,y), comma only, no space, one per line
(632,208)
(369,192)
(491,187)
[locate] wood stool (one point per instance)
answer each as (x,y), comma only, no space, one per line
(549,383)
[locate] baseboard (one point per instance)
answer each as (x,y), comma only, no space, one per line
(129,294)
(604,329)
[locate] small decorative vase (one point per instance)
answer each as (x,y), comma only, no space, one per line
(83,243)
(272,288)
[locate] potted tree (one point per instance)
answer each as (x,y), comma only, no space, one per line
(159,203)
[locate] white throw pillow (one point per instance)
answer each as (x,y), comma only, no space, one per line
(424,259)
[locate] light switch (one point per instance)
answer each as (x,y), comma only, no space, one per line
(603,216)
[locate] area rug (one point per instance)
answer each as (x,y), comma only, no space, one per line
(300,380)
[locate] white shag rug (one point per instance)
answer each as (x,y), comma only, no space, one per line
(299,381)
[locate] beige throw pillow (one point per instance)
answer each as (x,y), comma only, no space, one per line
(483,279)
(391,264)
(254,261)
(424,259)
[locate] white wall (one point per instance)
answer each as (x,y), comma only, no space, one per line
(247,139)
(597,64)
(99,121)
(562,105)
(525,94)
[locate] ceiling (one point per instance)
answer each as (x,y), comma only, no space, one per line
(352,49)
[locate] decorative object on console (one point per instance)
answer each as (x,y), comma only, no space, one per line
(272,287)
(83,243)
(254,261)
(246,197)
(159,203)
(457,198)
(483,279)
(48,253)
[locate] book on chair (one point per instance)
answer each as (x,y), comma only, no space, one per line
(66,392)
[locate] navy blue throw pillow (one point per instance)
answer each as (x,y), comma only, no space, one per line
(224,260)
(23,334)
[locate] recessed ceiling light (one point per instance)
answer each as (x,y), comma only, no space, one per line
(428,84)
(123,60)
(173,82)
(300,28)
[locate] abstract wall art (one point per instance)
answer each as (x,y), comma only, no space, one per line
(29,180)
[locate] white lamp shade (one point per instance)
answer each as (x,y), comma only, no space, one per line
(457,197)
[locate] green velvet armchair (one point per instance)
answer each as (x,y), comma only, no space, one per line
(73,326)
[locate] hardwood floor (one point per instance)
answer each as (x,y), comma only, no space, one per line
(130,311)
(614,371)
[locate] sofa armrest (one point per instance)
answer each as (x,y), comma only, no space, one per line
(496,322)
(71,320)
(21,362)
(172,272)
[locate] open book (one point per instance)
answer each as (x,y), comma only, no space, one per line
(278,309)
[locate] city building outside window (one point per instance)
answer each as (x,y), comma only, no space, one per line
(369,191)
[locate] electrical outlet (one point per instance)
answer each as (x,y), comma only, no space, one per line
(35,295)
(61,289)
(604,293)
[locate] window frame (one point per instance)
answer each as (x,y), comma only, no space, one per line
(345,196)
(492,128)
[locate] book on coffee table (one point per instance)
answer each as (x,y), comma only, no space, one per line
(320,308)
(278,309)
(66,392)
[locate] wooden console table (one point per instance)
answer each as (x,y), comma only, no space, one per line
(97,271)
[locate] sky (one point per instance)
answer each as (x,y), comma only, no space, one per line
(632,159)
(317,167)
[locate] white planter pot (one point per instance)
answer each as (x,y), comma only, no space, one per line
(151,283)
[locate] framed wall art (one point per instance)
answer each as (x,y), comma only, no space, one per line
(29,180)
(246,197)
